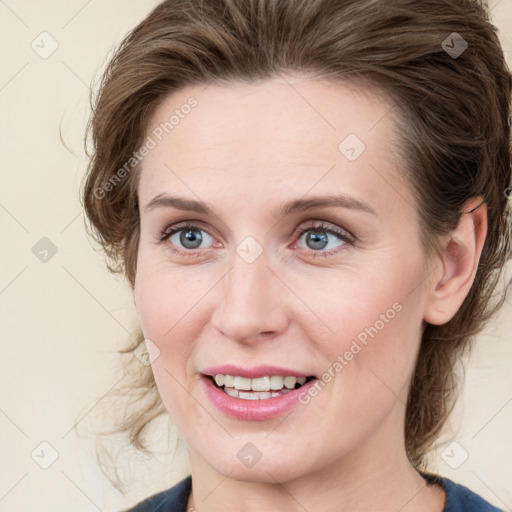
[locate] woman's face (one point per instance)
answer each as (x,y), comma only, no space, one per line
(272,281)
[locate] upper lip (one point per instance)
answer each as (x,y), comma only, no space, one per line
(253,372)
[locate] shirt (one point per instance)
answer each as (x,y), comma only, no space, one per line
(458,498)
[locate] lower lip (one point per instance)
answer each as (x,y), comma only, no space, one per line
(254,410)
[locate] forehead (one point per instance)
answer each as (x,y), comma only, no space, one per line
(273,110)
(270,135)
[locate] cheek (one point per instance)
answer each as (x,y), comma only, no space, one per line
(164,298)
(166,317)
(170,303)
(367,327)
(346,306)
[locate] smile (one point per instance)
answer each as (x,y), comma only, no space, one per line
(261,388)
(255,397)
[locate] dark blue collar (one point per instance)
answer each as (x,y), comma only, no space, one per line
(458,497)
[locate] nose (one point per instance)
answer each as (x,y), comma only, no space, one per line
(252,305)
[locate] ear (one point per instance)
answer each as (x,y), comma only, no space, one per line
(455,268)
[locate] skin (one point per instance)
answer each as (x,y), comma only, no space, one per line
(244,150)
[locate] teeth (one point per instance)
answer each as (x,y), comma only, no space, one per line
(276,382)
(242,383)
(229,381)
(260,384)
(253,396)
(263,386)
(249,396)
(231,392)
(290,382)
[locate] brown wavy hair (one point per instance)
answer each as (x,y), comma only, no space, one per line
(453,112)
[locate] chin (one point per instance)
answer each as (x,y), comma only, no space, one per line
(271,468)
(263,472)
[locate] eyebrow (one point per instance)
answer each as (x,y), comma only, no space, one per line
(297,205)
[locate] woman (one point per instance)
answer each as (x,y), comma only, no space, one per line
(308,199)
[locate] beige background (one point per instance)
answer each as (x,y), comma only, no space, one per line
(63,320)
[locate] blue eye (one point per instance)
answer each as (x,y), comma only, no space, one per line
(189,237)
(317,239)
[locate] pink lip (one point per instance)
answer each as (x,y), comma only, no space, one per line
(253,410)
(254,372)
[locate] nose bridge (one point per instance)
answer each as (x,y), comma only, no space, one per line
(251,299)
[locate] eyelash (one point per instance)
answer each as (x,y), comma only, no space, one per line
(321,227)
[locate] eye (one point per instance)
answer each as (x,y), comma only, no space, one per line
(318,238)
(185,238)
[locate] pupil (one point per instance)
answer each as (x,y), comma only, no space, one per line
(315,238)
(192,235)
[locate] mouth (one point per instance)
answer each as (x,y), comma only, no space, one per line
(255,393)
(260,388)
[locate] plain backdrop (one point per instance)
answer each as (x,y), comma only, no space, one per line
(63,316)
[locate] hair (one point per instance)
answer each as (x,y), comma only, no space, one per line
(453,112)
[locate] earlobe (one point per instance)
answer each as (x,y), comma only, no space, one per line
(459,262)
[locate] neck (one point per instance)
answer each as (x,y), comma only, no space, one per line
(376,477)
